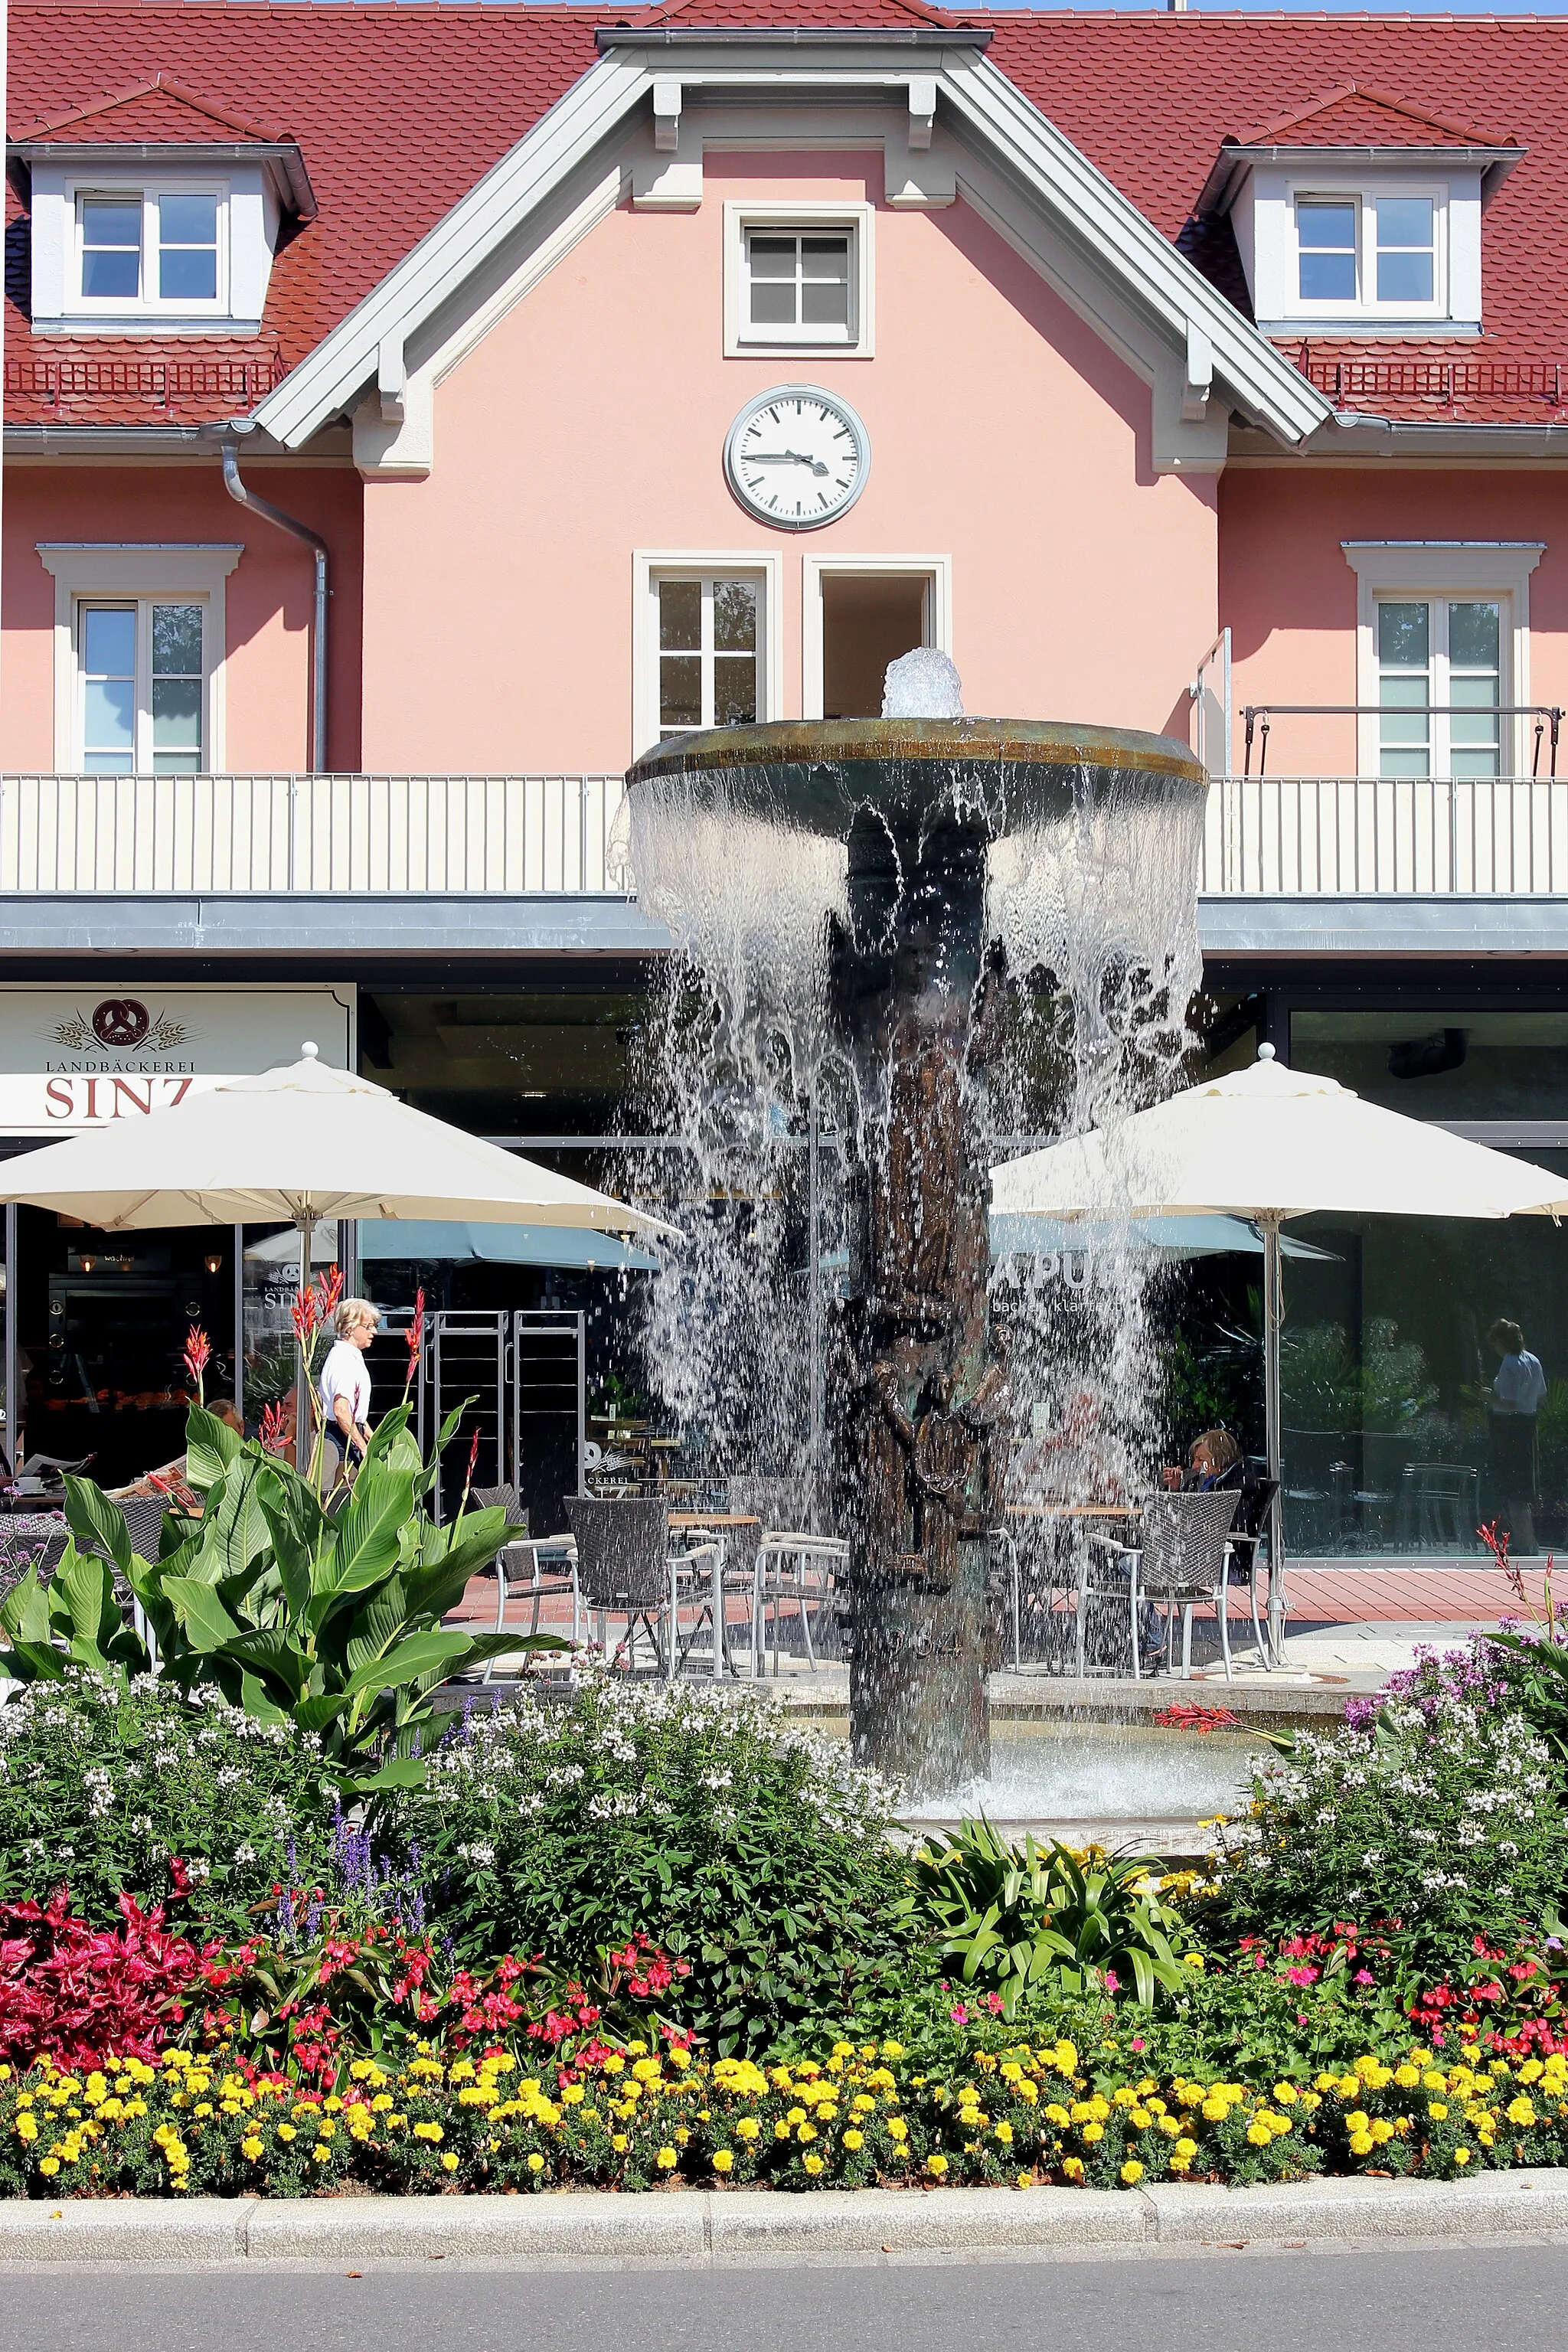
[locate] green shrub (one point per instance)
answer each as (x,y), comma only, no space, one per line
(106,1785)
(1016,1918)
(1431,1815)
(746,1846)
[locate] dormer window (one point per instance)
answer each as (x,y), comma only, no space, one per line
(155,211)
(1360,215)
(152,249)
(1368,251)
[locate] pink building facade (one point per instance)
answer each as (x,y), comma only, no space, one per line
(413,416)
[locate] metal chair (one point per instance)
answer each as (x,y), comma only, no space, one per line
(520,1566)
(1253,1509)
(624,1568)
(1437,1507)
(1180,1560)
(792,1571)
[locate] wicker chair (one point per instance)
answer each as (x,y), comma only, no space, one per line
(624,1568)
(1180,1560)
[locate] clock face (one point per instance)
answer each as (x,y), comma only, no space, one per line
(797,458)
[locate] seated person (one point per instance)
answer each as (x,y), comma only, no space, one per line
(1216,1460)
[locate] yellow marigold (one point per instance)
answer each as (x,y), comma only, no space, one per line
(678,2056)
(1362,2142)
(723,2159)
(287,2132)
(49,2166)
(1438,2110)
(1073,2167)
(432,2132)
(619,2142)
(1093,2132)
(449,2162)
(812,2164)
(1131,2171)
(853,2140)
(1004,2134)
(250,2147)
(747,2128)
(1461,2156)
(936,2166)
(898,2130)
(1520,2111)
(666,2159)
(536,2162)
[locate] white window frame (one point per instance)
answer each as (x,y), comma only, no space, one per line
(154,572)
(742,340)
(149,194)
(937,572)
(1423,571)
(1328,188)
(649,566)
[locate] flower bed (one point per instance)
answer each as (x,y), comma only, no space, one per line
(867,2114)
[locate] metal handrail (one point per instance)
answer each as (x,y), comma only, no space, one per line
(1544,713)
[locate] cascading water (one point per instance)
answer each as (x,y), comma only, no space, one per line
(906,945)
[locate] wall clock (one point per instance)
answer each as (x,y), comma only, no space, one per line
(797,456)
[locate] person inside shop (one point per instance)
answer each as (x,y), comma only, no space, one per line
(1517,1393)
(345,1388)
(1216,1460)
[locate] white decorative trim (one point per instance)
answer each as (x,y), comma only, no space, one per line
(741,343)
(974,97)
(1443,567)
(935,569)
(155,567)
(647,565)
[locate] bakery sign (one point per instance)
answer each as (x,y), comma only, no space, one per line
(78,1057)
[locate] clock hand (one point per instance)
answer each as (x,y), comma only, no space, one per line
(784,457)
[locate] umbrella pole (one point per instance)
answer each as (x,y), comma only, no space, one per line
(302,1428)
(1273,1311)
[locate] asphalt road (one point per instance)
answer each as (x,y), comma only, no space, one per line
(1511,2299)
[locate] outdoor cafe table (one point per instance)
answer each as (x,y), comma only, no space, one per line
(718,1521)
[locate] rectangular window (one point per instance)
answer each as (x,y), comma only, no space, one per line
(1405,249)
(187,248)
(142,687)
(153,251)
(798,285)
(1440,686)
(1326,235)
(710,641)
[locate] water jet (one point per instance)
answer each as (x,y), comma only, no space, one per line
(863,906)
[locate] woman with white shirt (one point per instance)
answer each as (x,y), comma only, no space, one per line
(1517,1393)
(345,1386)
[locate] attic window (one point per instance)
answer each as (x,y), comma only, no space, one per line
(1369,253)
(151,249)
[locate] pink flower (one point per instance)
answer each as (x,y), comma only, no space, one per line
(959,2014)
(1139,2042)
(1111,1980)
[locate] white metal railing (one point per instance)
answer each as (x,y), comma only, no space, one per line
(548,833)
(1272,836)
(1343,836)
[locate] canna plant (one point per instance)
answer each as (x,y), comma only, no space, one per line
(329,1618)
(1041,1916)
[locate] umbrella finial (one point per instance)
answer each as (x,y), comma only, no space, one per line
(1265,1051)
(309,1049)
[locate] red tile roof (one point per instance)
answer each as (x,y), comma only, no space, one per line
(159,110)
(400,109)
(1356,117)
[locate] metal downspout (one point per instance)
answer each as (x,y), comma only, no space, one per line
(251,500)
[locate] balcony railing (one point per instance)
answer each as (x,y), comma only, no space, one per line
(386,835)
(1347,836)
(556,835)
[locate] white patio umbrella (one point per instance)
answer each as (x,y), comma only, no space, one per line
(1269,1143)
(307,1143)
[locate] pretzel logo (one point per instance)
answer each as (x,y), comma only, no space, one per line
(120,1020)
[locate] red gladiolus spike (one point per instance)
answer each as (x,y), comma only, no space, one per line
(303,1316)
(274,1436)
(330,1289)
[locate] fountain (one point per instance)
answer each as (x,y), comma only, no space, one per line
(934,926)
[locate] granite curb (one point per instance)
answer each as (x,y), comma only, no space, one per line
(736,2226)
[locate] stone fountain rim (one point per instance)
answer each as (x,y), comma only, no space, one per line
(1013,742)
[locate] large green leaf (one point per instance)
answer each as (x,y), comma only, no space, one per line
(368,1529)
(29,1662)
(206,1622)
(211,1446)
(97,1524)
(240,1533)
(289,1552)
(421,1653)
(271,1651)
(380,1620)
(397,1772)
(25,1611)
(83,1592)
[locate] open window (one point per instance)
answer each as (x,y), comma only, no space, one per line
(861,613)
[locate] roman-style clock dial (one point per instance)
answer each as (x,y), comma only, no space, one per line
(797,456)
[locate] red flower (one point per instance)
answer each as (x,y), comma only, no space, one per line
(413,1337)
(304,1317)
(329,1290)
(198,1354)
(274,1435)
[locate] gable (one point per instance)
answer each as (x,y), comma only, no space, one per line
(159,112)
(1357,116)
